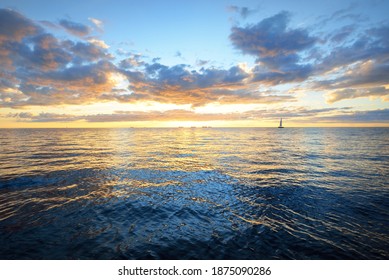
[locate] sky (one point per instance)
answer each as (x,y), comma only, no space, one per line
(149,63)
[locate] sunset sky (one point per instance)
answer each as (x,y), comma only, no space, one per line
(182,63)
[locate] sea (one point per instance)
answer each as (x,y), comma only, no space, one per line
(194,193)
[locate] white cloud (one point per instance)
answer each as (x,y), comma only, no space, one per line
(99,43)
(98,23)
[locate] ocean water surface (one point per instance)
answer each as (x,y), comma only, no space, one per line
(194,193)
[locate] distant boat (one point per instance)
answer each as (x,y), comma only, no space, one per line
(280,126)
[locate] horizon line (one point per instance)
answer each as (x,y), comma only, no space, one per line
(189,127)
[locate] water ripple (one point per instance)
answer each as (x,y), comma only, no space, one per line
(194,194)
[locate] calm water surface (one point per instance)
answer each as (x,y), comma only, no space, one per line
(207,193)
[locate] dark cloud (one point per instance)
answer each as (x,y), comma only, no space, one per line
(360,64)
(46,53)
(276,48)
(14,26)
(372,44)
(366,67)
(135,60)
(93,72)
(381,38)
(366,74)
(179,84)
(360,50)
(74,28)
(291,73)
(271,38)
(87,52)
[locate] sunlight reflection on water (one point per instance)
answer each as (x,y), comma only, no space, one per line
(194,193)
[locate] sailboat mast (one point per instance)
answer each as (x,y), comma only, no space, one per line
(281,124)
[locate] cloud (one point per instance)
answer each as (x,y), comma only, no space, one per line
(342,15)
(47,53)
(51,71)
(98,43)
(286,73)
(86,52)
(201,62)
(135,60)
(370,73)
(362,66)
(49,24)
(342,34)
(286,55)
(244,12)
(39,68)
(125,116)
(78,84)
(375,116)
(357,66)
(371,44)
(291,114)
(73,85)
(351,93)
(271,38)
(276,48)
(74,28)
(170,115)
(43,117)
(78,72)
(14,26)
(181,85)
(98,23)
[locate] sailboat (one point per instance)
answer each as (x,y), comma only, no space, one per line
(280,126)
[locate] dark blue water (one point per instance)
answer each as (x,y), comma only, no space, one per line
(293,193)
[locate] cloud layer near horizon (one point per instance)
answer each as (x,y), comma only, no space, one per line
(41,69)
(297,113)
